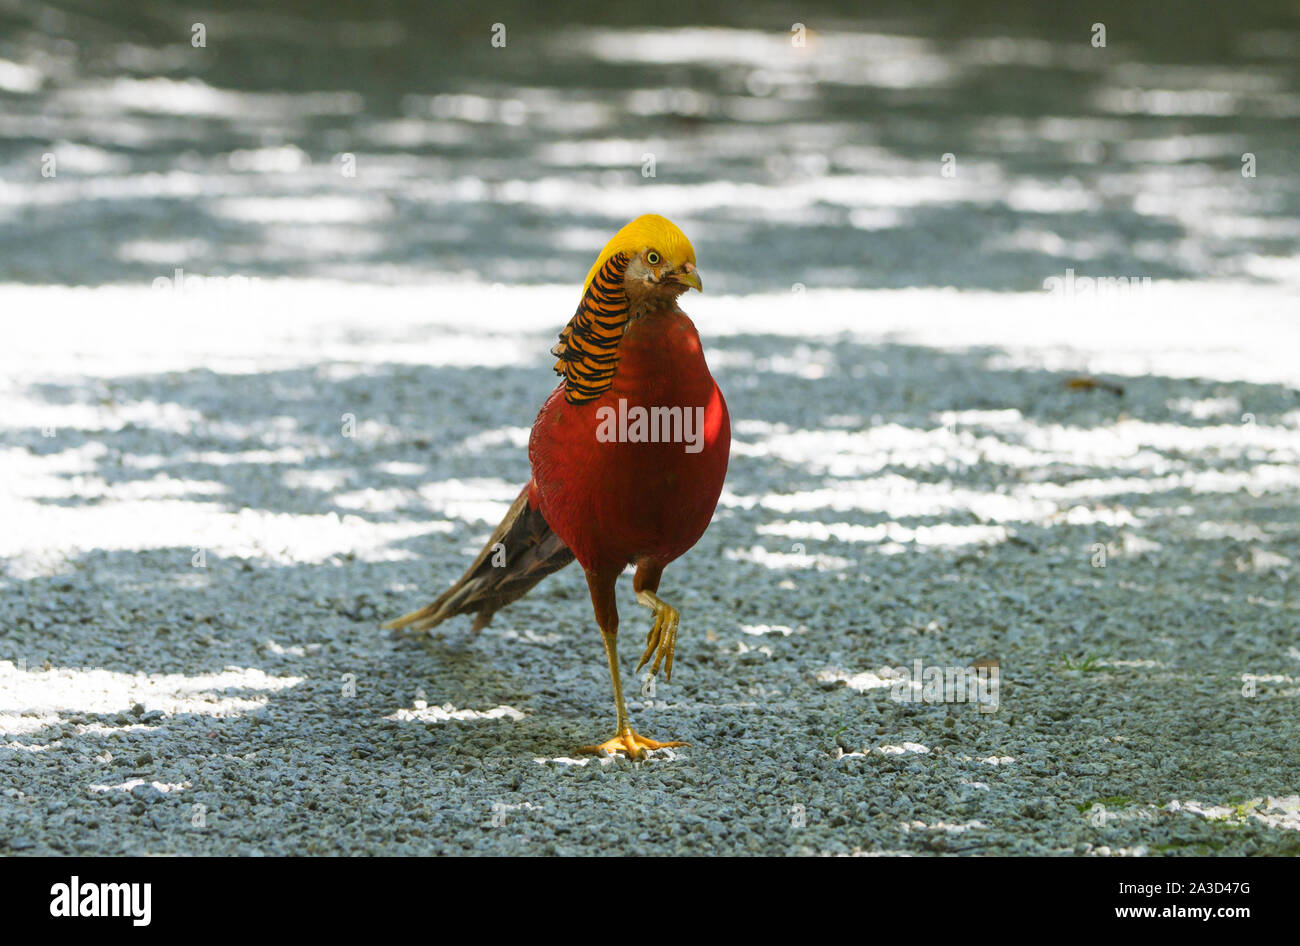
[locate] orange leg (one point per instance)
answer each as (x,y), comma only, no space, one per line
(601,585)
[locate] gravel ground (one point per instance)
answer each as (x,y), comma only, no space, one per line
(1127,560)
(211,496)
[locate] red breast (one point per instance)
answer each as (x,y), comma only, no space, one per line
(636,473)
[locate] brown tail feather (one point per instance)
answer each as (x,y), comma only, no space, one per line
(521,552)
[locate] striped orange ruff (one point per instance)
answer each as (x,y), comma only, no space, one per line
(588,346)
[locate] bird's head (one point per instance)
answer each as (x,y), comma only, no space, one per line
(661,261)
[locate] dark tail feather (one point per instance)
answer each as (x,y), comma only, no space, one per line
(521,552)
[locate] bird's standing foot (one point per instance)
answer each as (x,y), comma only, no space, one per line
(629,742)
(662,639)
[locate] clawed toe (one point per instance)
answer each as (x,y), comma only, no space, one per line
(630,743)
(662,639)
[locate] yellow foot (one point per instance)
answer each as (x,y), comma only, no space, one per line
(662,636)
(634,745)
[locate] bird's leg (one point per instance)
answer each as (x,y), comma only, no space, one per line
(610,640)
(625,740)
(662,639)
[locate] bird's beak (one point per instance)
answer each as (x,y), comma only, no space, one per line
(689,278)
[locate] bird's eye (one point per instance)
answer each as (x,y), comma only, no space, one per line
(652,258)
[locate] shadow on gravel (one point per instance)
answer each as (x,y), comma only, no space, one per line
(275,441)
(880,468)
(956,521)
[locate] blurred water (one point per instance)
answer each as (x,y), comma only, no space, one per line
(820,164)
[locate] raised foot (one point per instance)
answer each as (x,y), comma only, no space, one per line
(631,743)
(662,639)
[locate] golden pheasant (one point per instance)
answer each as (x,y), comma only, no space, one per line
(628,457)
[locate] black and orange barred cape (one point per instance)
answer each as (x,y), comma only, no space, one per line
(588,346)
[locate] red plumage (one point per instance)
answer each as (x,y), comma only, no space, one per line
(618,503)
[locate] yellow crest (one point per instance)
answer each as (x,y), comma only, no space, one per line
(648,231)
